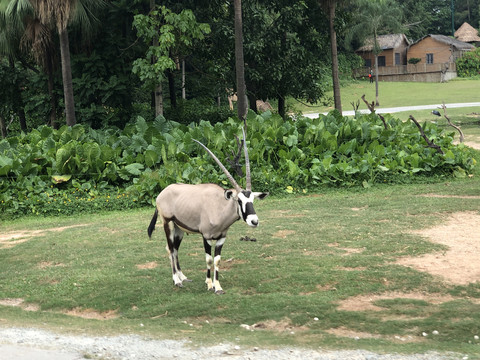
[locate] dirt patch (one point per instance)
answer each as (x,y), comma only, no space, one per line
(78,312)
(451,196)
(278,326)
(92,314)
(473,145)
(13,238)
(149,265)
(348,251)
(283,234)
(49,264)
(366,302)
(19,303)
(459,264)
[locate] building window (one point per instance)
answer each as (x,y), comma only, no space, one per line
(429,58)
(397,58)
(381,61)
(368,62)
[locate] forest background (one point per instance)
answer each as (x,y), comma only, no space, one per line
(286,50)
(128,132)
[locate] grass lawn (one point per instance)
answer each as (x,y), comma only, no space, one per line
(102,274)
(393,94)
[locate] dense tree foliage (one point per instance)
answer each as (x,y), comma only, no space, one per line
(287,53)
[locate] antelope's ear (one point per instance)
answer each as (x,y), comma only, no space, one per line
(260,195)
(229,194)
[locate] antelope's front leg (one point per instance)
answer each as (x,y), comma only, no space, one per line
(212,265)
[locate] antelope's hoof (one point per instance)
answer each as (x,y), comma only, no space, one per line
(187,280)
(219,292)
(180,285)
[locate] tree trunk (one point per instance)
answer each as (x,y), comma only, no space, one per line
(158,93)
(252,101)
(171,89)
(3,128)
(18,105)
(239,62)
(184,95)
(333,44)
(158,96)
(53,97)
(376,81)
(21,117)
(67,77)
(281,106)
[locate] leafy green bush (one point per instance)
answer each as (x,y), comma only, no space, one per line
(414,60)
(76,169)
(469,64)
(195,110)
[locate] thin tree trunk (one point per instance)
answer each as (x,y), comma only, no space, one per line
(53,97)
(67,77)
(158,95)
(376,81)
(3,128)
(22,118)
(333,44)
(239,62)
(171,89)
(281,106)
(253,102)
(18,105)
(184,95)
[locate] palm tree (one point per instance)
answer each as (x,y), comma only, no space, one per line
(329,6)
(373,18)
(36,38)
(60,14)
(10,38)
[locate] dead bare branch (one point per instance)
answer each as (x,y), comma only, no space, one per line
(450,123)
(355,105)
(429,142)
(233,160)
(371,107)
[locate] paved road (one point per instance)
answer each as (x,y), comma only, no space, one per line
(402,108)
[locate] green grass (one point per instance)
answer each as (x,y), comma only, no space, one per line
(299,269)
(393,94)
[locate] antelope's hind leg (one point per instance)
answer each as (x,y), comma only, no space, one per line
(174,238)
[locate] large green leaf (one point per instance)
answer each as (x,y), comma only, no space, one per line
(5,165)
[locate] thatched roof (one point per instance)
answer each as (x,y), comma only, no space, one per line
(459,45)
(385,42)
(467,33)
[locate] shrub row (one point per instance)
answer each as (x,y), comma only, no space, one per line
(77,168)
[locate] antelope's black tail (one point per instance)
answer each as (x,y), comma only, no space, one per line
(151,227)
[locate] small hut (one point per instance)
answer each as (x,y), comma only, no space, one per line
(394,50)
(468,34)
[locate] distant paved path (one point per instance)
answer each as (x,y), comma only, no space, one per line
(402,108)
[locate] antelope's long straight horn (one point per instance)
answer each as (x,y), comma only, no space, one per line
(229,176)
(247,163)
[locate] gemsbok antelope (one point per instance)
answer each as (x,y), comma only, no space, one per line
(206,209)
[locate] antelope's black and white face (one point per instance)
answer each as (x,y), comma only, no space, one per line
(245,204)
